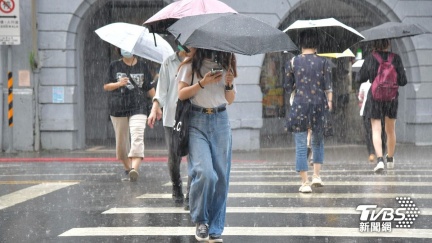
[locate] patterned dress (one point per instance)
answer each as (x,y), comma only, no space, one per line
(310,77)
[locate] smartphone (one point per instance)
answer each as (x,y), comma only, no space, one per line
(216,70)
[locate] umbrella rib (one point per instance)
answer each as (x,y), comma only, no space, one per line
(332,37)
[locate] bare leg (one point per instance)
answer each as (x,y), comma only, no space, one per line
(391,135)
(304,176)
(317,169)
(376,136)
(127,163)
(136,163)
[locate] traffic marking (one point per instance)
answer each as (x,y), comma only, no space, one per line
(32,192)
(303,195)
(249,231)
(277,210)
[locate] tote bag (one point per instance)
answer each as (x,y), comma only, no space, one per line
(180,133)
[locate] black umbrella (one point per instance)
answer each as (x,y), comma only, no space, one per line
(334,36)
(230,32)
(392,30)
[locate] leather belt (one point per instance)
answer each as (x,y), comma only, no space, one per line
(208,111)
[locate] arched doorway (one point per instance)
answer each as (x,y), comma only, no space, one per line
(348,127)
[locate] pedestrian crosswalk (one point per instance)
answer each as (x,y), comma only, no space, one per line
(250,231)
(264,205)
(40,189)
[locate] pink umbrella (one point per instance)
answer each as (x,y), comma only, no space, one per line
(167,16)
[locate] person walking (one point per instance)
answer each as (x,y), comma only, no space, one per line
(166,97)
(365,114)
(311,76)
(386,110)
(206,78)
(127,81)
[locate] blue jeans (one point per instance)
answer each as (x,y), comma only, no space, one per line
(317,142)
(209,164)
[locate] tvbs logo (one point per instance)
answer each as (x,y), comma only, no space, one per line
(380,220)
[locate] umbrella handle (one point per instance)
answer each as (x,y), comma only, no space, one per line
(229,62)
(154,37)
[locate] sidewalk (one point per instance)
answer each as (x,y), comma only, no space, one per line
(334,153)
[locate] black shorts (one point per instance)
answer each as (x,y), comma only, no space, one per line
(381,109)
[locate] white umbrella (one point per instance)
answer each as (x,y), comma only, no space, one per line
(137,40)
(334,36)
(357,65)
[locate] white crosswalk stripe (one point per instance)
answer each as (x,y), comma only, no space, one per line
(249,231)
(274,177)
(278,210)
(308,195)
(327,183)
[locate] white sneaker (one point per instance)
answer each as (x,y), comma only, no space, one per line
(316,181)
(305,188)
(133,175)
(390,162)
(379,167)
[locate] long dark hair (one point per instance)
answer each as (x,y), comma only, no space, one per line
(226,60)
(381,44)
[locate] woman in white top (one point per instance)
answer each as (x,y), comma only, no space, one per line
(210,142)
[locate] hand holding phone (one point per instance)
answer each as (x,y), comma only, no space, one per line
(215,71)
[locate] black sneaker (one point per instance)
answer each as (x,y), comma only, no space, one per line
(177,193)
(125,176)
(380,165)
(186,204)
(202,232)
(214,239)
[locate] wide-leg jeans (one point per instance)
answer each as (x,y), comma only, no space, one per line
(209,164)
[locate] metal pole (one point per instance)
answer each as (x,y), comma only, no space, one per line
(1,98)
(35,77)
(10,94)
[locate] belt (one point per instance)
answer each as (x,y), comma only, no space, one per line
(208,111)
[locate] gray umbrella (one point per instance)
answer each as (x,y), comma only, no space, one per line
(392,30)
(230,32)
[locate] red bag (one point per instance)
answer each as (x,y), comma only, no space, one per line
(385,86)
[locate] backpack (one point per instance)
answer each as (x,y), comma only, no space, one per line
(385,86)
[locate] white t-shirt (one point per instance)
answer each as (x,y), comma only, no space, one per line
(213,95)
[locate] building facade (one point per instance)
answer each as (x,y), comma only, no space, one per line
(63,106)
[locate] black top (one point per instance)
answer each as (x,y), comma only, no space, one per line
(125,102)
(370,66)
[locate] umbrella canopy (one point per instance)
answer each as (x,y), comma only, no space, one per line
(357,65)
(333,35)
(167,16)
(346,53)
(392,30)
(230,32)
(137,40)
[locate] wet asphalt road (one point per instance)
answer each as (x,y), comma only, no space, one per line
(78,197)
